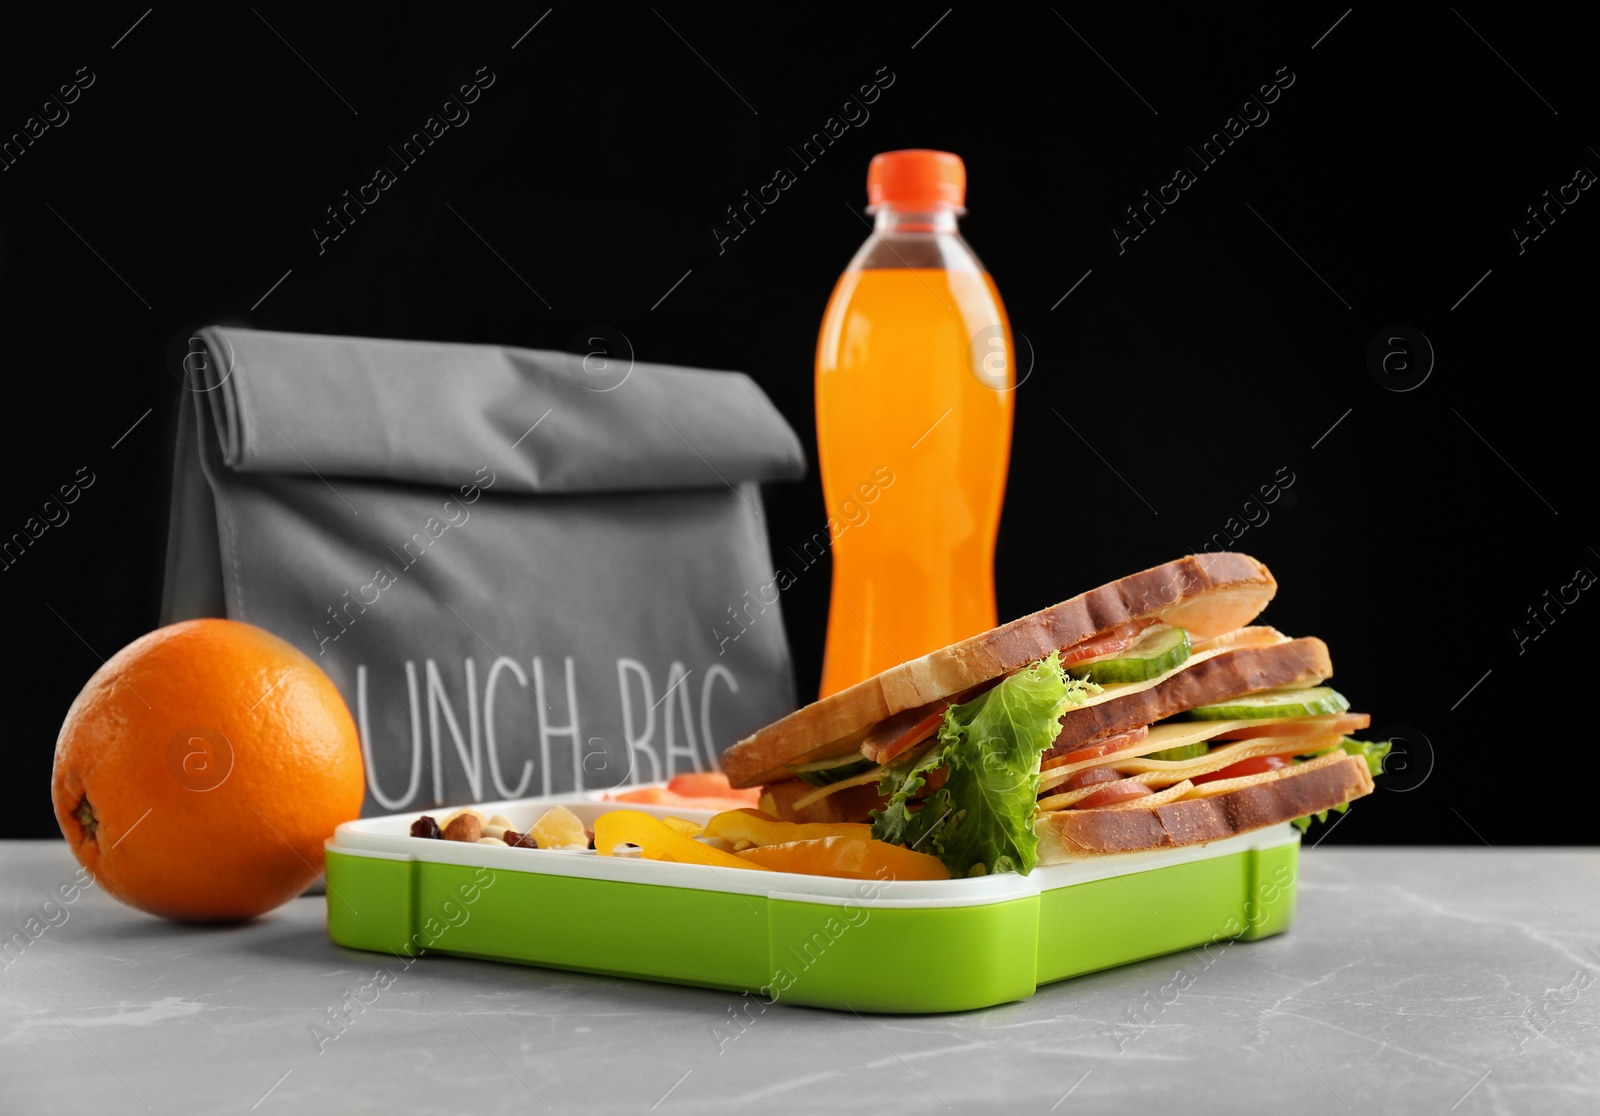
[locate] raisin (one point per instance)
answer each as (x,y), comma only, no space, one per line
(426,827)
(519,840)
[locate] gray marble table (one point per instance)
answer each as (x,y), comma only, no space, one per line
(1421,980)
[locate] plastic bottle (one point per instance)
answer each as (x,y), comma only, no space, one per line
(914,410)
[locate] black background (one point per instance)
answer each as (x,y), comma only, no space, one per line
(1198,362)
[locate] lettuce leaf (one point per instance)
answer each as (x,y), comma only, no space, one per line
(1372,752)
(980,819)
(902,778)
(1303,824)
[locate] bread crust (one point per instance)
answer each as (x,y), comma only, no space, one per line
(1208,593)
(1231,674)
(1299,791)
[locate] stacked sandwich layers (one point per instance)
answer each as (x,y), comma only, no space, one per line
(1147,713)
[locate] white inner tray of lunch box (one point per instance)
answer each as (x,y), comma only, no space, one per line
(389,838)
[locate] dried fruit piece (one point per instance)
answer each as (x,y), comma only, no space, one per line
(560,828)
(518,840)
(465,826)
(426,827)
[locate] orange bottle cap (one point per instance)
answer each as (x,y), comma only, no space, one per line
(917,178)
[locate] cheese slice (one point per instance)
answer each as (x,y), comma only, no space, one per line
(1065,800)
(1185,790)
(1160,798)
(1161,773)
(823,792)
(1218,758)
(1223,786)
(1260,635)
(1179,773)
(1172,734)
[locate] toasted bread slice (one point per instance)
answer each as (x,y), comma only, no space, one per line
(1208,594)
(1231,674)
(1268,799)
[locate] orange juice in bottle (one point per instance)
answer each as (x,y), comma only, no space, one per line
(914,406)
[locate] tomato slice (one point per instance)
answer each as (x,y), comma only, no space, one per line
(897,735)
(910,738)
(1113,793)
(1116,640)
(1094,751)
(1341,725)
(1093,650)
(1255,765)
(661,796)
(1088,778)
(709,784)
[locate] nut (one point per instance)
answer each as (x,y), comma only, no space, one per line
(467,825)
(491,841)
(497,822)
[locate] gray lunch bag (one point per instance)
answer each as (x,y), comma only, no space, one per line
(527,572)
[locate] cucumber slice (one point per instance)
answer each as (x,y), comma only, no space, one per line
(1316,701)
(1182,751)
(825,772)
(1152,656)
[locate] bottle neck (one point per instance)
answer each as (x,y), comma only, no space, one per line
(895,219)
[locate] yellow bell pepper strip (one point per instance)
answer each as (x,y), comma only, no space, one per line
(657,840)
(853,858)
(684,826)
(761,829)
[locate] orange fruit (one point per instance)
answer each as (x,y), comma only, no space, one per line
(200,769)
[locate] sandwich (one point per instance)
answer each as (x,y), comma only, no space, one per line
(1149,713)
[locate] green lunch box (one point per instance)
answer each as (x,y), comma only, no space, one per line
(801,939)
